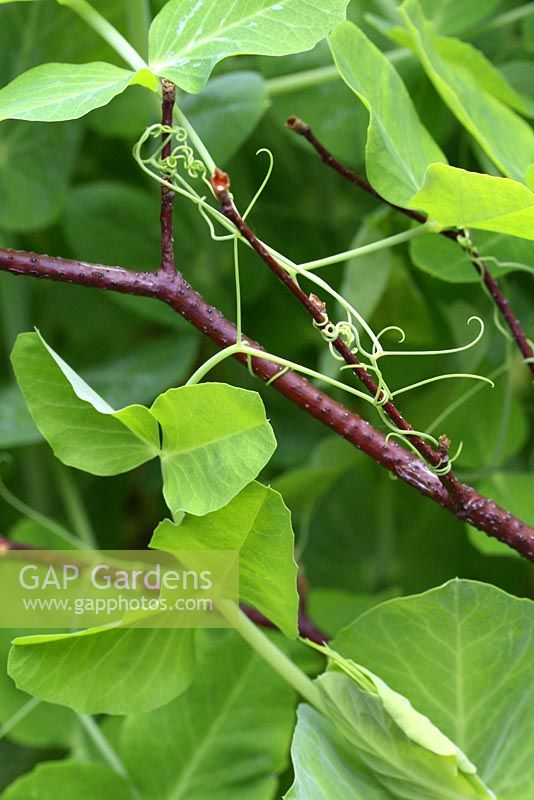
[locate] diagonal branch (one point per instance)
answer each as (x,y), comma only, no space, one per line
(477,510)
(303,129)
(316,310)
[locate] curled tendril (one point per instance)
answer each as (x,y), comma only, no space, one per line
(443,352)
(181,155)
(263,183)
(169,171)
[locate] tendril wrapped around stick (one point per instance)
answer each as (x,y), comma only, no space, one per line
(170,170)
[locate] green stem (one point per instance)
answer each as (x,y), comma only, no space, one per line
(95,734)
(307,78)
(138,18)
(18,716)
(39,518)
(365,249)
(301,80)
(212,362)
(106,30)
(74,506)
(271,653)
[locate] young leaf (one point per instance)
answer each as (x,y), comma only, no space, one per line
(416,726)
(258,524)
(105,670)
(463,654)
(399,148)
(216,439)
(506,138)
(453,197)
(189,37)
(69,780)
(226,738)
(402,765)
(82,429)
(56,92)
(326,766)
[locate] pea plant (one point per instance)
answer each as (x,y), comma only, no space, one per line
(382,646)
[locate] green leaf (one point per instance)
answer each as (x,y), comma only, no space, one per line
(56,92)
(463,654)
(44,725)
(455,16)
(36,165)
(226,738)
(103,670)
(455,197)
(257,524)
(69,780)
(506,138)
(216,439)
(139,375)
(326,766)
(513,491)
(227,111)
(466,57)
(189,37)
(82,429)
(399,148)
(442,258)
(402,764)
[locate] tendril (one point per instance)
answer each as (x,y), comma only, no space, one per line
(174,170)
(263,183)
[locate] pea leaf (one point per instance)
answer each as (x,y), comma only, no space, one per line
(69,780)
(228,737)
(56,92)
(105,670)
(326,766)
(467,58)
(455,197)
(216,439)
(506,138)
(442,258)
(82,429)
(189,37)
(399,148)
(139,375)
(257,524)
(402,764)
(463,655)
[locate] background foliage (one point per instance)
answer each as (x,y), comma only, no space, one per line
(72,189)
